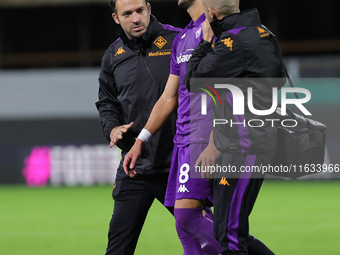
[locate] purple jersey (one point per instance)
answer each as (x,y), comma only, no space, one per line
(192,126)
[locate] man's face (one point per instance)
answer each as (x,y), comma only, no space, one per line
(133,16)
(185,4)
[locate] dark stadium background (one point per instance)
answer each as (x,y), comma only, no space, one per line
(44,35)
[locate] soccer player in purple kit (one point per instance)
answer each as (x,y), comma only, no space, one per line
(191,197)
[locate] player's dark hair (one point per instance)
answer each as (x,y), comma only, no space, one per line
(112,4)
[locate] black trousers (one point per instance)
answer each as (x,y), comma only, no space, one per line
(133,198)
(234,199)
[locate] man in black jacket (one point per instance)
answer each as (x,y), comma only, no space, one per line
(133,75)
(243,49)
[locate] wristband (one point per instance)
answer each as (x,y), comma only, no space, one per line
(144,135)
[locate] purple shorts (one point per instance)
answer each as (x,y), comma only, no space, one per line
(183,182)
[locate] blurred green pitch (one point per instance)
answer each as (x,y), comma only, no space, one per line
(291,217)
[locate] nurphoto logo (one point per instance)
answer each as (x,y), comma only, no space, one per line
(238,99)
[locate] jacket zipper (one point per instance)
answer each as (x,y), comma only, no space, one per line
(141,99)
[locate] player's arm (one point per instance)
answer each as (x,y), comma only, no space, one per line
(165,105)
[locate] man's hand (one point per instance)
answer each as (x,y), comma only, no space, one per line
(117,133)
(208,33)
(131,158)
(207,158)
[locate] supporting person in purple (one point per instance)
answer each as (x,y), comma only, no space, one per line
(191,197)
(243,48)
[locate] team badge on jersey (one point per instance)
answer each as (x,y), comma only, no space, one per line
(198,32)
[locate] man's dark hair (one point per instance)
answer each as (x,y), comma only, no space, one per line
(112,4)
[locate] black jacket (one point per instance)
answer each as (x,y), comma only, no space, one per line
(245,54)
(132,78)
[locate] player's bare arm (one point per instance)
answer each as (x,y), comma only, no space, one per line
(165,105)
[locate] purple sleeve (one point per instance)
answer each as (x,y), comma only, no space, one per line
(171,28)
(174,67)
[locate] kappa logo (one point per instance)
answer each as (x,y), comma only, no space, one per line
(224,182)
(263,32)
(228,42)
(160,42)
(120,51)
(182,189)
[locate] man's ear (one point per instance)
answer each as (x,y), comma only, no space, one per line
(149,7)
(115,18)
(212,13)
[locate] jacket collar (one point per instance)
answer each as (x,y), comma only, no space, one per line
(147,38)
(236,20)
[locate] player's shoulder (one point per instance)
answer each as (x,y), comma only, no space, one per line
(171,29)
(180,34)
(189,37)
(169,32)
